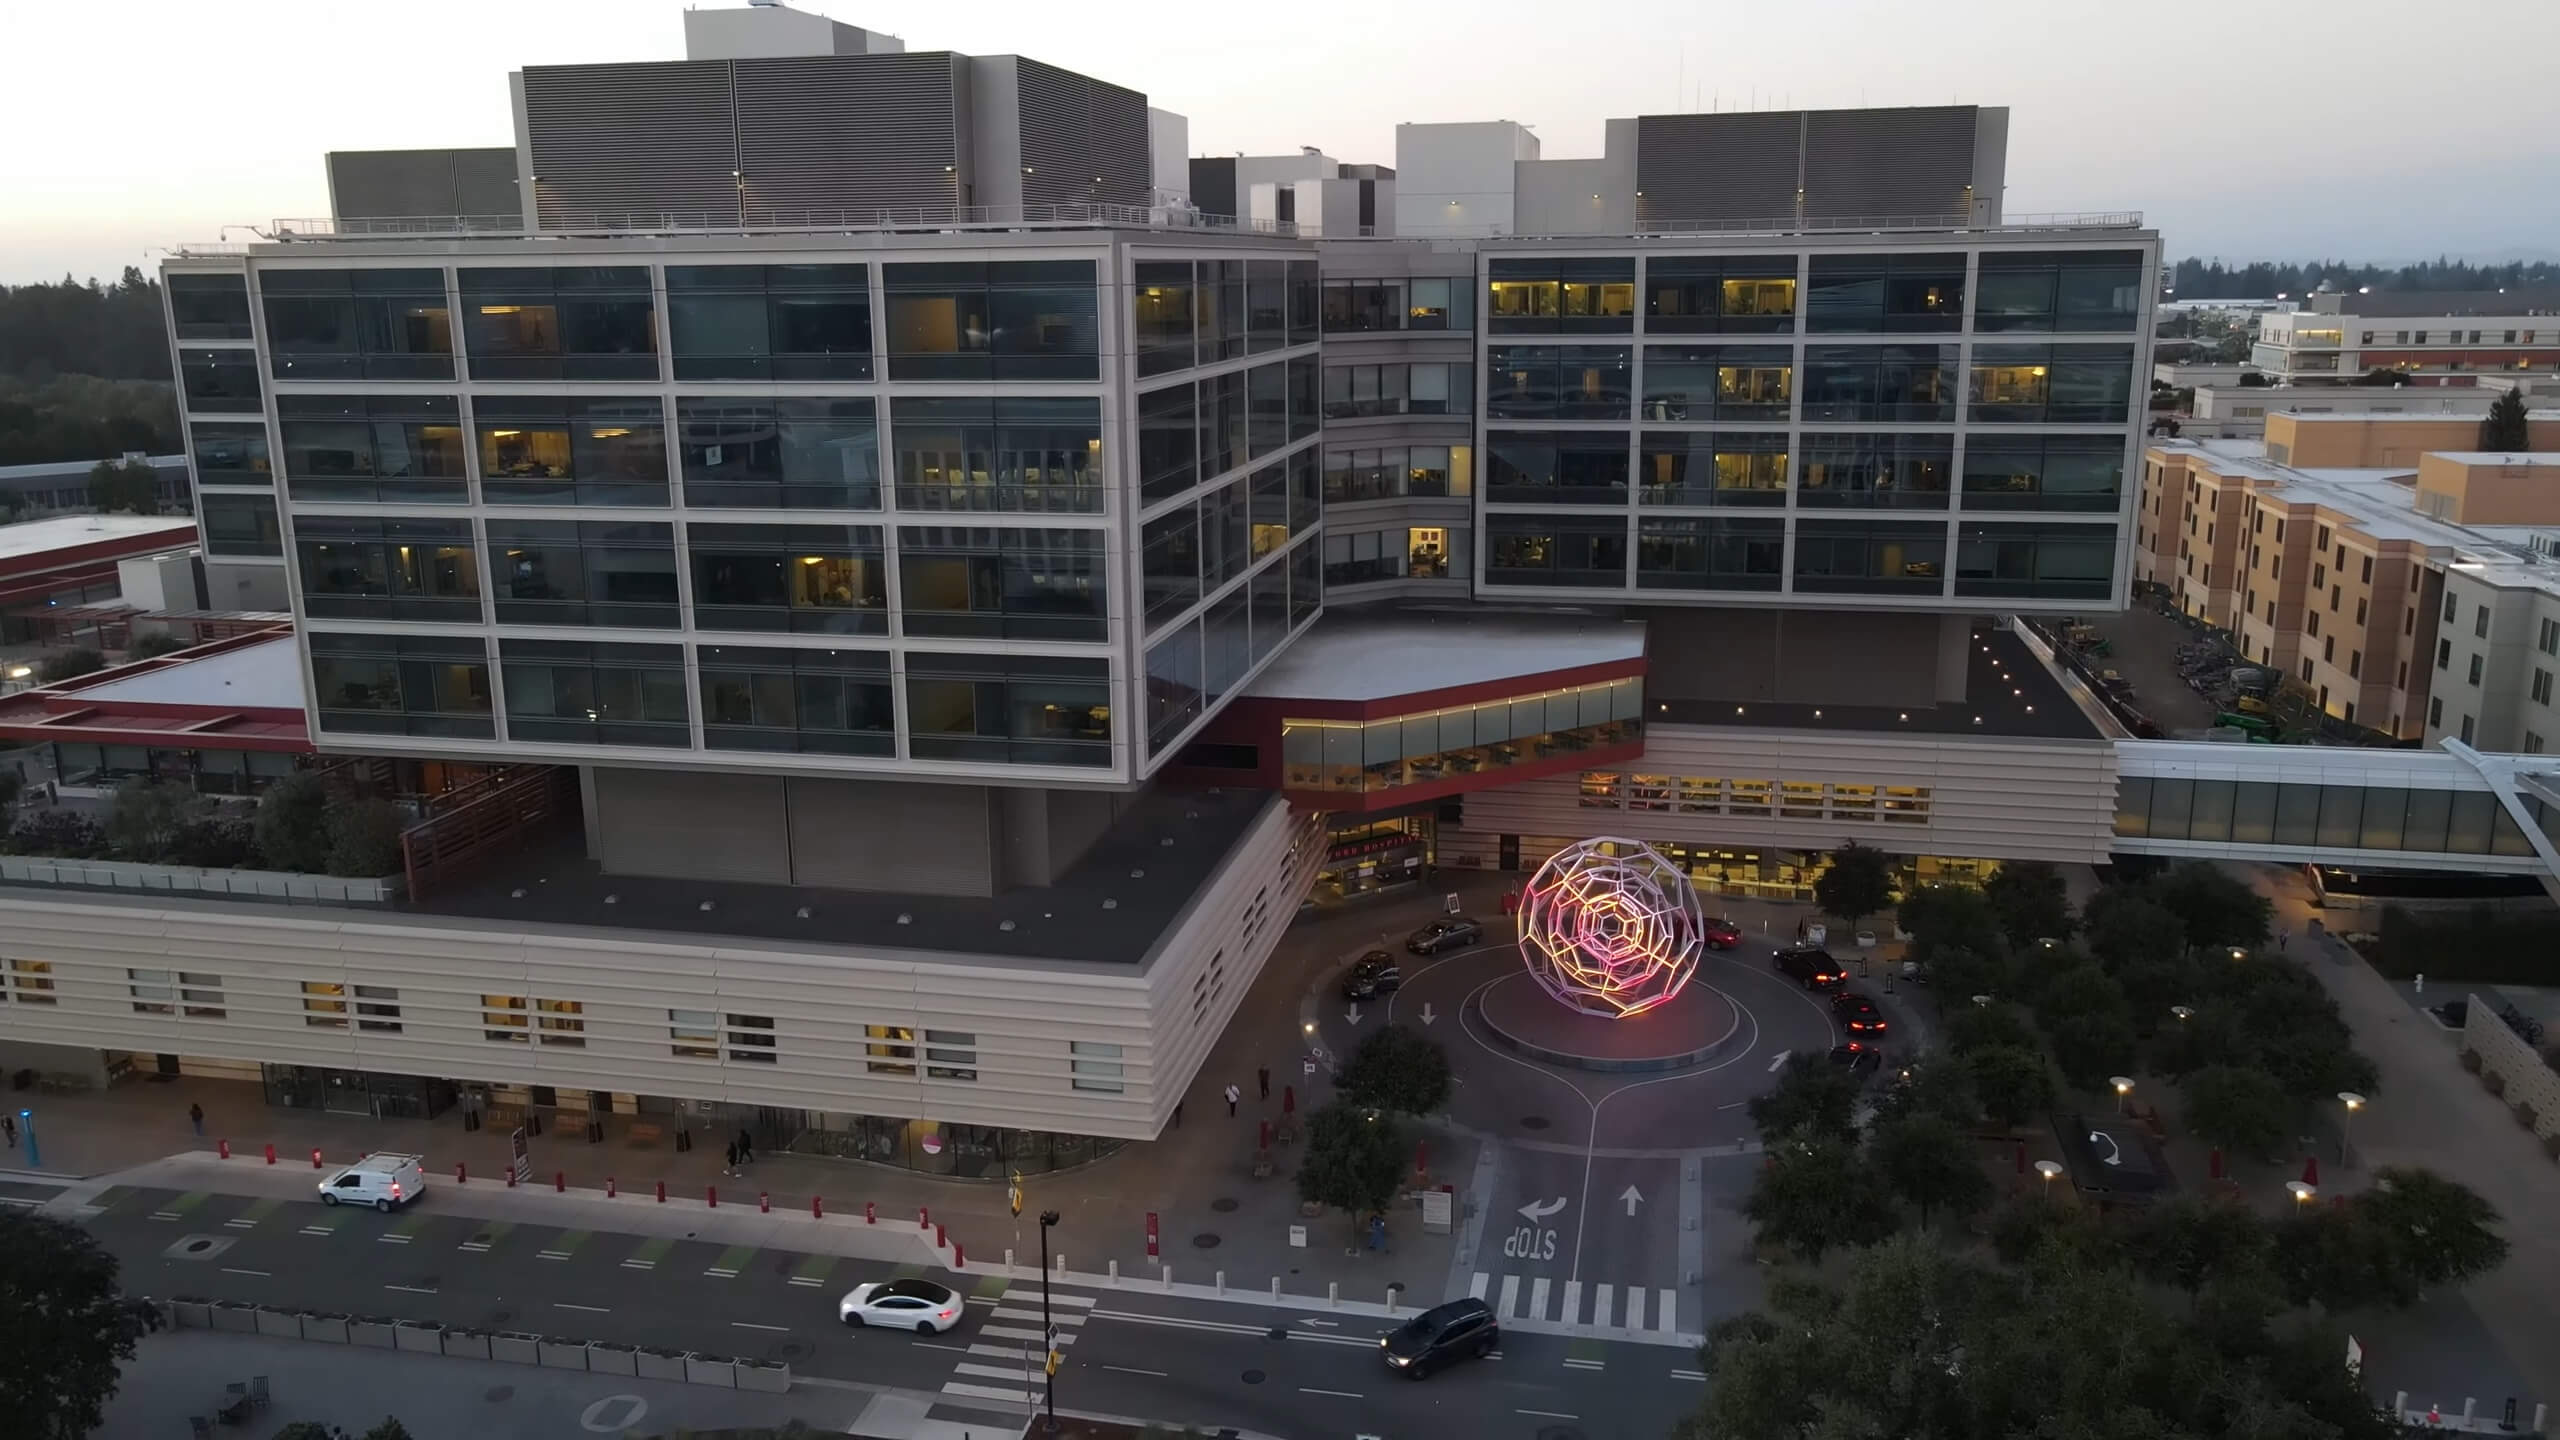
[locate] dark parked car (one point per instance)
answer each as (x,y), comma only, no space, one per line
(1441,935)
(1372,975)
(1812,967)
(1721,934)
(1858,1013)
(1861,1060)
(1461,1329)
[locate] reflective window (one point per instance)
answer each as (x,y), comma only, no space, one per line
(1594,295)
(1001,320)
(546,450)
(2073,562)
(1306,584)
(1423,302)
(1175,685)
(1267,408)
(583,572)
(813,579)
(1575,467)
(1879,382)
(2059,290)
(401,684)
(1355,391)
(357,324)
(1010,709)
(574,692)
(1566,550)
(228,453)
(220,381)
(388,569)
(2052,383)
(1162,317)
(2043,472)
(209,307)
(1879,471)
(1737,293)
(1697,383)
(1396,470)
(1431,745)
(565,323)
(1693,467)
(2344,817)
(1266,304)
(1711,554)
(1013,584)
(1869,557)
(1305,302)
(770,322)
(239,525)
(1010,454)
(797,453)
(1885,294)
(1306,501)
(1547,382)
(825,702)
(1168,441)
(1305,419)
(373,447)
(1225,432)
(1170,563)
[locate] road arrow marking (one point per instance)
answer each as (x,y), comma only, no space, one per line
(1352,1014)
(1427,1016)
(1778,1060)
(1540,1210)
(1633,1197)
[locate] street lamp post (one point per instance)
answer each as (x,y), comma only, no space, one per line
(1048,1328)
(2183,1012)
(27,1122)
(2124,1088)
(2048,1169)
(2303,1191)
(2354,1102)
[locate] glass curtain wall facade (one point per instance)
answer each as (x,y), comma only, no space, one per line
(1906,421)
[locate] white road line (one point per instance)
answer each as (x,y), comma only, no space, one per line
(979,1392)
(1479,1285)
(1006,1312)
(937,1345)
(805,1282)
(590,1309)
(25,1203)
(1779,1059)
(413,1289)
(1603,1304)
(1510,1297)
(1550,1414)
(1001,1352)
(1538,1298)
(1585,1365)
(989,1371)
(1222,1327)
(1339,1394)
(1572,1303)
(1736,1105)
(1635,1306)
(318,1230)
(1697,1375)
(1666,1312)
(1133,1370)
(1311,1320)
(751,1325)
(261,1274)
(639,1264)
(1010,1332)
(392,1239)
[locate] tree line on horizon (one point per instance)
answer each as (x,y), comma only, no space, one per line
(84,371)
(2198,279)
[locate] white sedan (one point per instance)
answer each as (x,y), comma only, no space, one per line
(918,1305)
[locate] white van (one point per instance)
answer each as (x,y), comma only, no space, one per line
(382,1181)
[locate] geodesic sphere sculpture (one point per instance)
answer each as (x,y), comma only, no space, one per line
(1612,935)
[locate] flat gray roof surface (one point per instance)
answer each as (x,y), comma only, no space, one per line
(267,675)
(1374,655)
(63,532)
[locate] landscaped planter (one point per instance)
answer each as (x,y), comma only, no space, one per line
(2471,1061)
(609,1359)
(409,1335)
(188,1313)
(2496,1082)
(516,1348)
(329,1328)
(190,879)
(235,1318)
(717,1370)
(374,1331)
(467,1344)
(282,1324)
(772,1378)
(661,1364)
(563,1354)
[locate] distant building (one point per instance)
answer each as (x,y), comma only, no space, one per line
(62,486)
(2434,337)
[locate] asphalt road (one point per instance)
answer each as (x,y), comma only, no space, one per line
(1293,1372)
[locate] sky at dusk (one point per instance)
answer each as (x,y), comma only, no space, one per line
(2246,129)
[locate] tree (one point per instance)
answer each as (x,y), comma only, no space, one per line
(2438,1230)
(2504,427)
(69,665)
(2242,1110)
(2382,377)
(11,784)
(2123,926)
(1928,1162)
(389,1429)
(2327,1256)
(2031,901)
(1859,883)
(364,836)
(1814,1196)
(292,826)
(1398,1068)
(1950,917)
(2185,1242)
(2254,380)
(1355,1159)
(1971,1027)
(153,645)
(147,816)
(67,834)
(1813,1096)
(1933,1085)
(64,1329)
(2013,1082)
(2216,908)
(131,485)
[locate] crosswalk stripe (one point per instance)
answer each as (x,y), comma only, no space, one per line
(1007,1312)
(1510,1296)
(990,1371)
(1538,1298)
(811,1281)
(964,1391)
(1666,1311)
(1572,1302)
(1478,1286)
(1603,1298)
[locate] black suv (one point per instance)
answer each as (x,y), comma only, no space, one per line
(1442,935)
(1861,1060)
(1812,967)
(1858,1014)
(1461,1329)
(1371,976)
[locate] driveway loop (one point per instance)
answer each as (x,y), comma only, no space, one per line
(1205,1240)
(1224,1204)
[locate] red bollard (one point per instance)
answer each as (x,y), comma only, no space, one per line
(271,1154)
(958,1260)
(870,1212)
(817,1208)
(560,1182)
(461,1176)
(511,1177)
(222,1148)
(764,1202)
(713,1191)
(924,1218)
(315,1157)
(940,1239)
(608,1187)
(662,1192)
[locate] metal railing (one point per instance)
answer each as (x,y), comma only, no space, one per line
(755,220)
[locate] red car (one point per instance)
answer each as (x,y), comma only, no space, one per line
(1722,934)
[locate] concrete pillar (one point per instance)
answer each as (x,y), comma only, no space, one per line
(1955,639)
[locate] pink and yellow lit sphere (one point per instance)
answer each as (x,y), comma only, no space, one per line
(1611,928)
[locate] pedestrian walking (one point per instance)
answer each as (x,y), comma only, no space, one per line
(9,1130)
(1233,1095)
(195,1117)
(746,1148)
(1264,1075)
(2283,938)
(731,1167)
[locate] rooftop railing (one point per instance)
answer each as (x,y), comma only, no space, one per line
(755,221)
